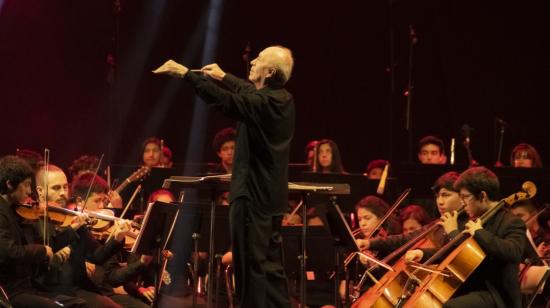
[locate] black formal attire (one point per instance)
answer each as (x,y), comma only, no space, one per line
(71,278)
(19,257)
(259,183)
(112,274)
(495,282)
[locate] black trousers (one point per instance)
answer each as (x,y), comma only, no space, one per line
(481,299)
(32,299)
(260,279)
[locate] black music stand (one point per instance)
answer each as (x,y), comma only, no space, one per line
(307,189)
(156,230)
(360,186)
(343,240)
(320,261)
(214,183)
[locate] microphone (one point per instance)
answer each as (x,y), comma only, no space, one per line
(466,131)
(412,34)
(246,53)
(501,122)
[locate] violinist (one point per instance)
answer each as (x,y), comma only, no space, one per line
(369,211)
(57,185)
(70,278)
(100,196)
(495,282)
(83,164)
(137,275)
(413,217)
(18,255)
(527,211)
(101,274)
(535,248)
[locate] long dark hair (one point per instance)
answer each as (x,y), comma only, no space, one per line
(336,165)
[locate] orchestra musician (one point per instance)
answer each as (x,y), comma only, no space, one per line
(431,151)
(70,277)
(370,210)
(19,255)
(495,282)
(525,155)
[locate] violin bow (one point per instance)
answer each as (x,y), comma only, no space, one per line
(46,239)
(92,183)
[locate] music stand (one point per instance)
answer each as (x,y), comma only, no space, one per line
(307,189)
(213,183)
(156,229)
(343,240)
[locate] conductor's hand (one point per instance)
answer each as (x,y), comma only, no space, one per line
(172,68)
(213,71)
(414,255)
(122,229)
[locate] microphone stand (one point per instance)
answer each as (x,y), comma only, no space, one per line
(408,93)
(246,58)
(498,163)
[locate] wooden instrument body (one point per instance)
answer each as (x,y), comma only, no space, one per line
(435,289)
(390,287)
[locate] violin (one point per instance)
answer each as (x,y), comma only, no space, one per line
(32,212)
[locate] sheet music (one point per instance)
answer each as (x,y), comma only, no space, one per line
(144,223)
(295,186)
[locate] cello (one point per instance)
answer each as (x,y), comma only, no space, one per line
(389,288)
(463,256)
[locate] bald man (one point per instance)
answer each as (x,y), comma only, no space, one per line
(265,114)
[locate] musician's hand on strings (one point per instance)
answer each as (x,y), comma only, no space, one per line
(472,226)
(291,220)
(213,71)
(449,221)
(146,259)
(414,255)
(62,255)
(363,244)
(166,279)
(115,200)
(122,228)
(167,254)
(79,220)
(172,68)
(148,293)
(49,254)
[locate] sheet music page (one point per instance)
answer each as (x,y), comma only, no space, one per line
(144,223)
(308,187)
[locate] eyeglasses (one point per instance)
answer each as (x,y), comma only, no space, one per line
(466,197)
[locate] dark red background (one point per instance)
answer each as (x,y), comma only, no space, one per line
(474,61)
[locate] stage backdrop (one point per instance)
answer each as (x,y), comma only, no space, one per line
(75,76)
